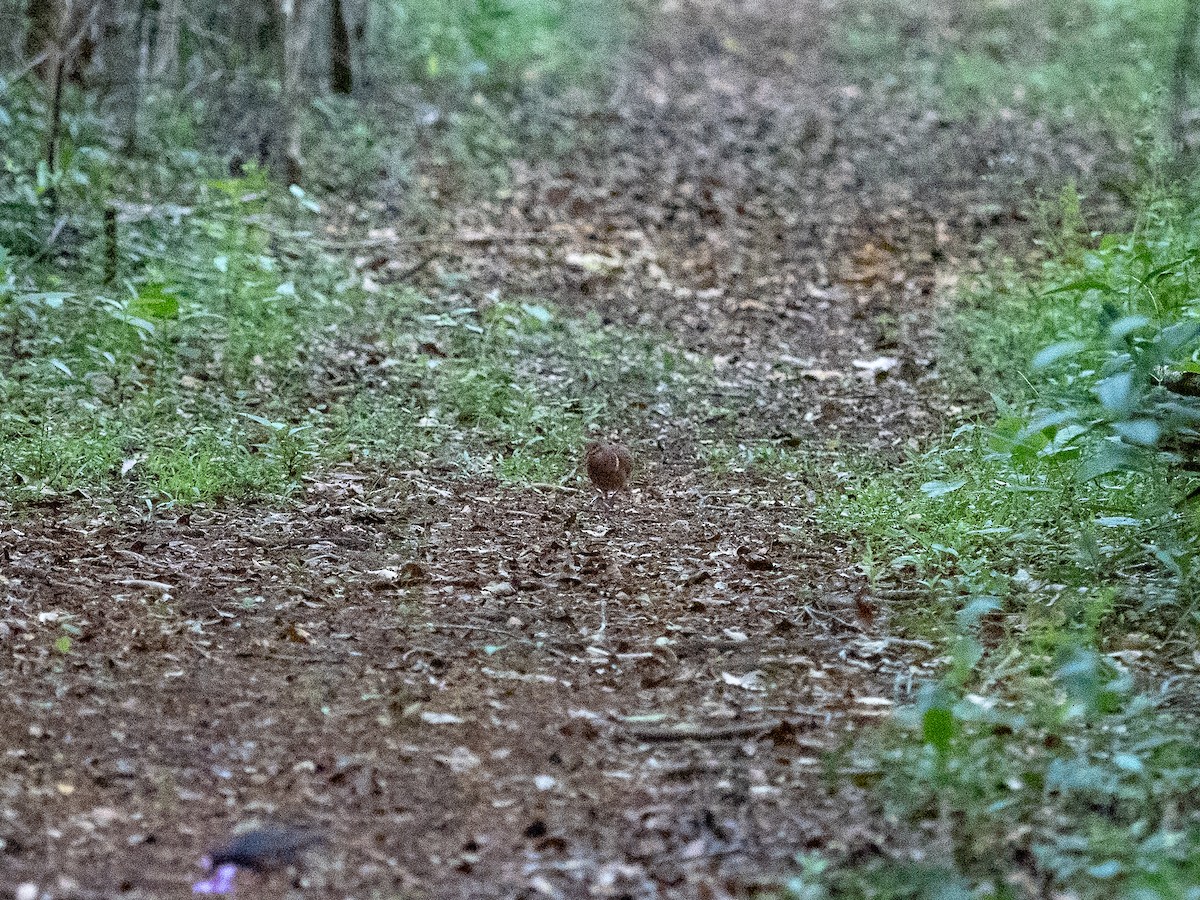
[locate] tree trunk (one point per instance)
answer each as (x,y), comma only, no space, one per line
(75,24)
(357,13)
(11,19)
(44,18)
(341,73)
(116,56)
(248,24)
(141,65)
(166,42)
(297,34)
(1185,54)
(54,120)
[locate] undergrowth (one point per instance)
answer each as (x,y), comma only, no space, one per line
(1099,61)
(210,348)
(1051,549)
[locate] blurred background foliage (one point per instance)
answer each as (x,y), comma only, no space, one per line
(170,173)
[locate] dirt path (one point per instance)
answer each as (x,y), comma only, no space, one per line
(477,689)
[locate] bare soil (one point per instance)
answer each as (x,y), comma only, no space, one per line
(486,691)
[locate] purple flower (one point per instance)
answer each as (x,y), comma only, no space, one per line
(221,881)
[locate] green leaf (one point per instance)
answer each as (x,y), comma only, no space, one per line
(1144,432)
(63,645)
(1173,338)
(1105,870)
(142,325)
(266,423)
(1048,356)
(1122,328)
(1116,392)
(1109,457)
(1046,422)
(305,201)
(153,302)
(937,728)
(970,615)
(1087,283)
(49,299)
(540,313)
(935,489)
(1117,521)
(935,705)
(1128,762)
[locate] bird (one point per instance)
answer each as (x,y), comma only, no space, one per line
(260,850)
(609,466)
(267,848)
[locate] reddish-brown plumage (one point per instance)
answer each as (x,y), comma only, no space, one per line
(609,466)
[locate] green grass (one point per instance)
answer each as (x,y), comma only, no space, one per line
(492,78)
(219,355)
(231,355)
(499,44)
(1102,61)
(515,392)
(768,459)
(983,516)
(195,416)
(226,360)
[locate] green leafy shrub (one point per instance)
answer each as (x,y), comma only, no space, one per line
(1048,548)
(501,44)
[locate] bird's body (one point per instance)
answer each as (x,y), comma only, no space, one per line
(265,849)
(609,466)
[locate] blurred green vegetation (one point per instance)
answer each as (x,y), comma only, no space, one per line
(1102,61)
(175,333)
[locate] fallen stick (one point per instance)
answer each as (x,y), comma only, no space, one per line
(696,733)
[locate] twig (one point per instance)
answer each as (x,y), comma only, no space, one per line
(707,854)
(25,70)
(55,231)
(475,238)
(540,645)
(414,269)
(548,486)
(696,733)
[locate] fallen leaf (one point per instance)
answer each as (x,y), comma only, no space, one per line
(873,701)
(593,262)
(820,374)
(876,368)
(437,718)
(296,634)
(751,681)
(459,760)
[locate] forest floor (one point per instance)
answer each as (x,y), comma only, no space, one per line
(481,689)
